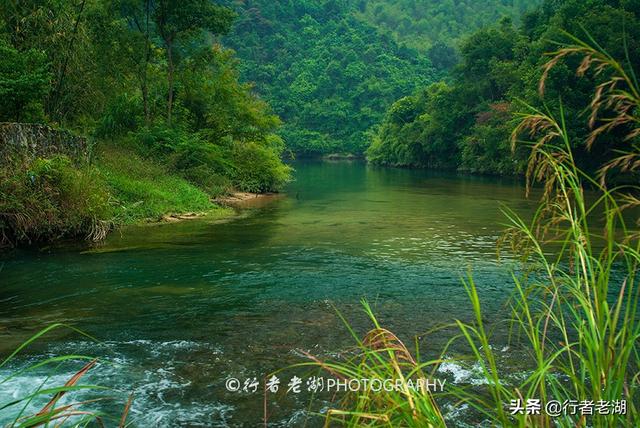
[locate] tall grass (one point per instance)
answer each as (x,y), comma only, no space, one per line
(44,199)
(575,311)
(381,355)
(56,412)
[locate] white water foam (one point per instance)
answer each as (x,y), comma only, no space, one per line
(154,387)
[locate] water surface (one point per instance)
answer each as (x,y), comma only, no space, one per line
(181,307)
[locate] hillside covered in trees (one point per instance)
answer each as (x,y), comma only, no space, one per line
(432,25)
(464,122)
(330,68)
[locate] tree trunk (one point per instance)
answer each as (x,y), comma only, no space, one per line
(170,77)
(145,100)
(57,91)
(147,58)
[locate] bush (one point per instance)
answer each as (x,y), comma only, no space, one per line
(122,115)
(161,141)
(216,167)
(258,169)
(46,199)
(204,165)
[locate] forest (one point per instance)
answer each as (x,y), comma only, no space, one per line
(331,68)
(438,27)
(210,210)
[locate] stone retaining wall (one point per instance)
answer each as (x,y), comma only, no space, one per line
(29,140)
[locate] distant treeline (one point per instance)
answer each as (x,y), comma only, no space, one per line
(329,75)
(434,25)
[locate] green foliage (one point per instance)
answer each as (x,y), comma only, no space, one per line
(208,166)
(122,114)
(487,149)
(500,66)
(181,22)
(443,56)
(144,189)
(258,168)
(52,198)
(423,24)
(24,82)
(218,167)
(328,74)
(59,31)
(421,130)
(187,17)
(330,68)
(149,73)
(216,102)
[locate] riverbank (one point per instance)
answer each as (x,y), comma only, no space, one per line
(145,191)
(58,198)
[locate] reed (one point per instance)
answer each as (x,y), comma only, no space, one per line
(57,412)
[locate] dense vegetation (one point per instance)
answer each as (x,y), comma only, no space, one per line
(331,68)
(437,26)
(464,122)
(160,98)
(329,75)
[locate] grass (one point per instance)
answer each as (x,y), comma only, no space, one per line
(574,313)
(144,189)
(380,355)
(52,198)
(49,199)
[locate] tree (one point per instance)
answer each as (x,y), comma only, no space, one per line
(24,83)
(137,14)
(501,66)
(57,28)
(443,56)
(179,21)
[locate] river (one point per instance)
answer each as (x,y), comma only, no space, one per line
(180,308)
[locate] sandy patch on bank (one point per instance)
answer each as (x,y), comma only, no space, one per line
(248,199)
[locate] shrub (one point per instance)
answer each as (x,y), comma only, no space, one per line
(204,165)
(45,199)
(258,168)
(122,115)
(161,141)
(216,167)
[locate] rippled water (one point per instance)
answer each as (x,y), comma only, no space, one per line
(179,308)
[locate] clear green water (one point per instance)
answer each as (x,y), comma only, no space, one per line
(182,307)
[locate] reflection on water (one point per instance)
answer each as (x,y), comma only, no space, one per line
(181,307)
